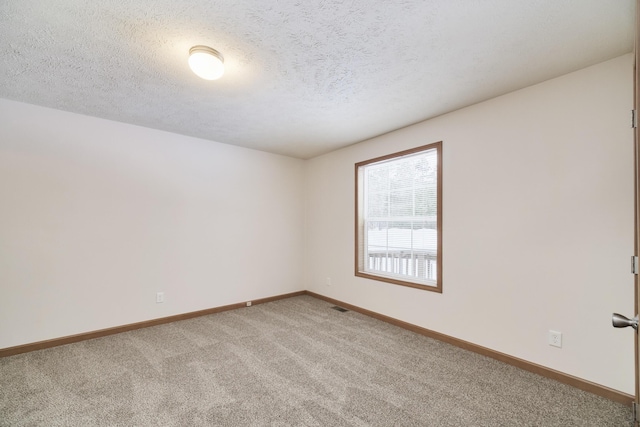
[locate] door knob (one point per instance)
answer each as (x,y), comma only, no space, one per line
(620,321)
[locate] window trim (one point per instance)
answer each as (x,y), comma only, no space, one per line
(438,288)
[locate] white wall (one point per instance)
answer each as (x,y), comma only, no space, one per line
(538,224)
(97,216)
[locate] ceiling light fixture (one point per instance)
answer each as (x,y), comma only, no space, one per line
(206,63)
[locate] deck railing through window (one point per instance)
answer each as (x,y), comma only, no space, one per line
(417,264)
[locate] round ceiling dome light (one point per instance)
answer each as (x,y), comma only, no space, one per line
(206,63)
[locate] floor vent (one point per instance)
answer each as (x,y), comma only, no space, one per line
(340,309)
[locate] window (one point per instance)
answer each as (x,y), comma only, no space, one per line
(399,218)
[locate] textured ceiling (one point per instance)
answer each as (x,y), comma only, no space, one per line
(302,77)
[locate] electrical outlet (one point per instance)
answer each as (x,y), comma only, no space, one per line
(248,303)
(328,281)
(159,297)
(555,338)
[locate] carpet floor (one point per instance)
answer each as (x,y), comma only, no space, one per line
(292,362)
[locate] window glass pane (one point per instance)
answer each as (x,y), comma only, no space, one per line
(378,178)
(400,174)
(377,237)
(401,203)
(421,202)
(400,238)
(378,205)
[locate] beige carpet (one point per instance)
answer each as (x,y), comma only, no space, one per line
(294,362)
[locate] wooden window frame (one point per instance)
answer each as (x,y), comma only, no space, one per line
(358,226)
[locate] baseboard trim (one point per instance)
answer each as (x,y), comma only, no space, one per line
(576,382)
(40,345)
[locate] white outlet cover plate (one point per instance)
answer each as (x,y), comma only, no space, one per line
(555,338)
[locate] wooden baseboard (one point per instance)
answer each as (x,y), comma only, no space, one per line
(579,383)
(40,345)
(576,382)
